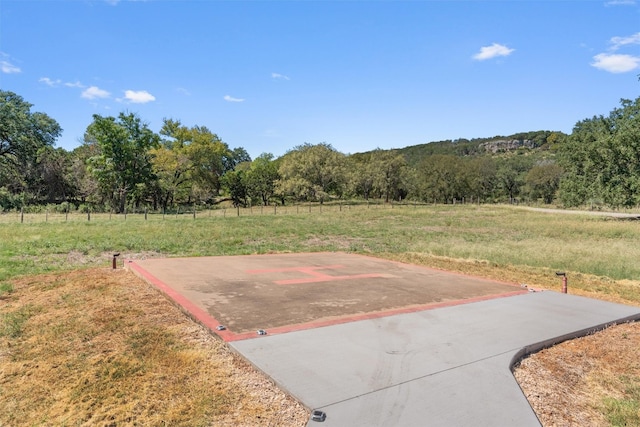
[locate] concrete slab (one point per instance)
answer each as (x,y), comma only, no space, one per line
(284,292)
(377,343)
(442,367)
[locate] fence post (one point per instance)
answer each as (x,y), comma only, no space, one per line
(88,214)
(145,213)
(238,209)
(21,215)
(194,211)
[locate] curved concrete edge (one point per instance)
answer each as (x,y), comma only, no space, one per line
(534,348)
(528,350)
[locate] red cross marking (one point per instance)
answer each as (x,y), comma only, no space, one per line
(314,275)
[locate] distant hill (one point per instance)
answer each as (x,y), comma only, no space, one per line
(496,145)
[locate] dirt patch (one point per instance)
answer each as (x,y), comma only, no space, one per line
(77,259)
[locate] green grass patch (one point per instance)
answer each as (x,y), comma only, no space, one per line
(624,411)
(12,323)
(6,288)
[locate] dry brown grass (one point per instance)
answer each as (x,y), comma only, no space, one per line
(589,381)
(101,347)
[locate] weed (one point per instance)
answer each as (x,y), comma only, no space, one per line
(12,323)
(624,411)
(6,288)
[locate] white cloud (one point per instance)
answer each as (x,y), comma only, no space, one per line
(620,3)
(74,84)
(232,99)
(49,82)
(615,63)
(9,68)
(493,51)
(139,96)
(618,62)
(279,76)
(618,42)
(183,91)
(94,92)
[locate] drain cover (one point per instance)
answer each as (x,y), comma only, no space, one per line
(318,416)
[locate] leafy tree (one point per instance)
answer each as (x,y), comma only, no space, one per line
(235,182)
(23,133)
(206,151)
(261,178)
(543,181)
(362,175)
(312,172)
(391,175)
(23,137)
(84,185)
(123,166)
(234,157)
(481,177)
(602,159)
(441,178)
(54,183)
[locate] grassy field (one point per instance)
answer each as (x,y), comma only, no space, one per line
(56,287)
(502,236)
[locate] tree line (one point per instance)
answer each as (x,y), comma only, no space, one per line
(122,164)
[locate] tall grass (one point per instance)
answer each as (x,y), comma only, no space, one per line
(500,235)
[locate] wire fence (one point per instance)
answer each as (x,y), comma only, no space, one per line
(194,213)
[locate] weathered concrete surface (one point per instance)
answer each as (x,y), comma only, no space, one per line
(251,292)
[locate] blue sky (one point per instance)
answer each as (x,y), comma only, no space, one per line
(271,75)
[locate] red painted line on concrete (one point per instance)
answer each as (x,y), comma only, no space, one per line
(316,276)
(199,314)
(326,278)
(211,323)
(300,269)
(367,316)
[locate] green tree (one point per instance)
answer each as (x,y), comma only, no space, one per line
(481,177)
(23,133)
(123,166)
(391,174)
(602,159)
(24,136)
(261,178)
(312,172)
(511,174)
(235,183)
(543,181)
(441,178)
